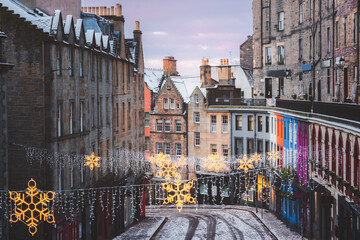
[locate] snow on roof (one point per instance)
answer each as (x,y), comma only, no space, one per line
(98,39)
(152,77)
(68,24)
(238,72)
(56,20)
(186,86)
(78,28)
(41,22)
(89,35)
(203,91)
(105,41)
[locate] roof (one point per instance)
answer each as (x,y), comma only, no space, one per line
(152,78)
(186,86)
(239,73)
(34,17)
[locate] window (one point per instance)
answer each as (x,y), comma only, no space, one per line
(225,150)
(260,146)
(178,125)
(167,125)
(81,67)
(172,103)
(301,13)
(281,20)
(196,96)
(129,116)
(345,30)
(337,34)
(93,111)
(197,139)
(177,106)
(355,27)
(59,120)
(158,148)
(267,124)
(58,60)
(166,103)
(213,123)
(147,119)
(239,122)
(167,148)
(267,146)
(101,113)
(300,49)
(281,86)
(250,146)
(147,143)
(250,123)
(213,148)
(107,111)
(267,25)
(82,115)
(196,117)
(281,55)
(225,123)
(239,146)
(260,123)
(71,61)
(72,118)
(328,40)
(328,80)
(159,125)
(178,150)
(117,116)
(268,59)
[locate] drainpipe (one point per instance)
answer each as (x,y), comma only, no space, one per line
(333,48)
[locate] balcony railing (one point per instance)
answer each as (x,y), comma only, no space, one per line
(238,102)
(339,110)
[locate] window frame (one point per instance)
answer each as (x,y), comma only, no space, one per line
(197,139)
(213,123)
(159,121)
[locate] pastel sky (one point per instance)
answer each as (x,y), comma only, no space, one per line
(189,30)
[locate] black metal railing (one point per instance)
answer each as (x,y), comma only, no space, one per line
(238,102)
(333,109)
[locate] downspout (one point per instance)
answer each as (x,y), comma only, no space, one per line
(98,105)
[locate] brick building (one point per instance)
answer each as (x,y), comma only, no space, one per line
(304,51)
(76,87)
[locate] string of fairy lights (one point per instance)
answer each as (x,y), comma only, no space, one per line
(170,185)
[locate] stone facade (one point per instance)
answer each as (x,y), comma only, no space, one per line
(168,122)
(70,91)
(246,54)
(295,49)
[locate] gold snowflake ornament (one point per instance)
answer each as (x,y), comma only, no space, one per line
(178,193)
(31,207)
(92,161)
(215,163)
(246,163)
(168,170)
(181,161)
(256,157)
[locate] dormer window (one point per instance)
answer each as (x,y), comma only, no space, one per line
(166,103)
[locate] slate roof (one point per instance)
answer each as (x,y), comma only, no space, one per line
(152,78)
(186,86)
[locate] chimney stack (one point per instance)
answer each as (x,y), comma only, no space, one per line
(224,72)
(169,64)
(205,73)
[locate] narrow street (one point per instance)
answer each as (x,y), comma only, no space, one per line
(202,223)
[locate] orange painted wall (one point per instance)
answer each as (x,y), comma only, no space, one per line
(280,136)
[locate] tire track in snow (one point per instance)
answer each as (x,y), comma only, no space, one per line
(193,224)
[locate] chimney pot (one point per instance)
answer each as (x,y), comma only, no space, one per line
(118,10)
(137,25)
(101,11)
(97,11)
(112,11)
(93,10)
(82,9)
(108,12)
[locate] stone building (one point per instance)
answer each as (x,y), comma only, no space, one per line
(300,50)
(246,53)
(76,87)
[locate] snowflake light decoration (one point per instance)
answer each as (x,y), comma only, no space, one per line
(215,163)
(256,157)
(168,170)
(92,161)
(181,161)
(31,207)
(179,193)
(246,163)
(273,156)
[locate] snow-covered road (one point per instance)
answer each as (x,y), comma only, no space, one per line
(210,224)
